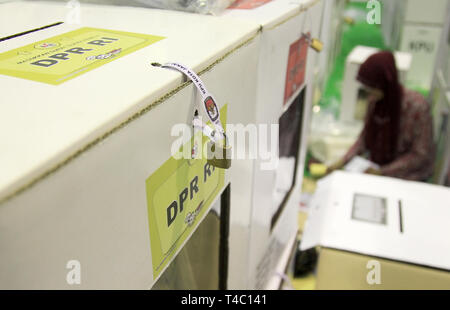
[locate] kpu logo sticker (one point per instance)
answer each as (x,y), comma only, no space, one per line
(211,108)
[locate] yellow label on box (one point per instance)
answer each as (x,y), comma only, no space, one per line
(179,195)
(179,200)
(63,57)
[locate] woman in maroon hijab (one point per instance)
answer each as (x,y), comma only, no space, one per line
(398,130)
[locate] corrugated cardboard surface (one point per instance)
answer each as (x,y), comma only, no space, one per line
(348,271)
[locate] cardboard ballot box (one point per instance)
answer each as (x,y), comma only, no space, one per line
(284,94)
(423,36)
(90,195)
(379,233)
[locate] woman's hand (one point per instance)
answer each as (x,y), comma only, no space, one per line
(373,171)
(336,166)
(319,171)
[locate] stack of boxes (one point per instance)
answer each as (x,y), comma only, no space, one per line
(422,28)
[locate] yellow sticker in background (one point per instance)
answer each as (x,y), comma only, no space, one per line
(179,194)
(63,57)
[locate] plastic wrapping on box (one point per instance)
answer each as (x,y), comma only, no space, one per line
(329,138)
(214,7)
(197,6)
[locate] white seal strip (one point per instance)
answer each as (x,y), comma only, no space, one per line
(209,104)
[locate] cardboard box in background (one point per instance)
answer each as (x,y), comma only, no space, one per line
(341,270)
(421,35)
(365,224)
(392,20)
(284,87)
(440,103)
(422,42)
(431,12)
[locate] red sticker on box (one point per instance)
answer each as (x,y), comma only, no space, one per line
(296,67)
(248,4)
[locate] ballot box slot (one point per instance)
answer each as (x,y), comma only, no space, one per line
(29,31)
(400,214)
